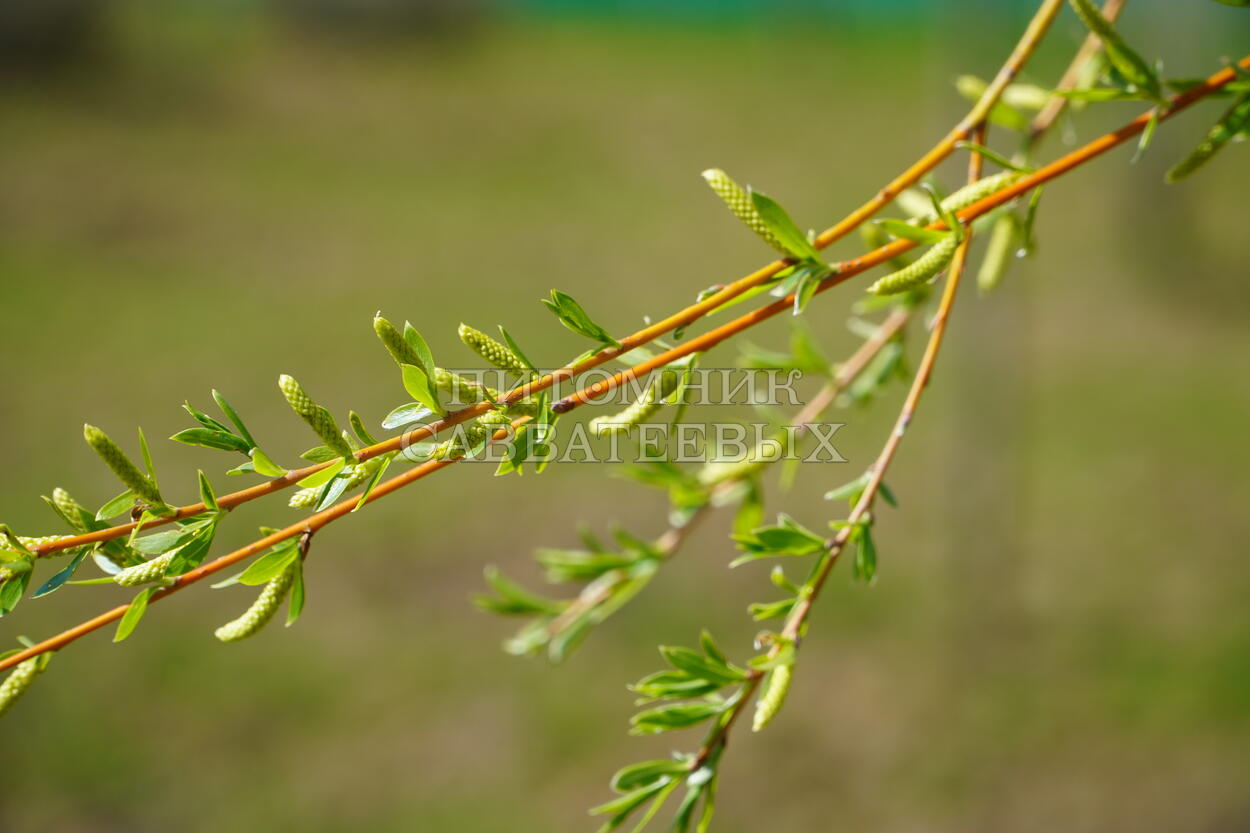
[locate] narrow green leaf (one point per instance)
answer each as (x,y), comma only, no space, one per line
(783,228)
(63,575)
(324,476)
(516,348)
(193,552)
(418,385)
(1234,121)
(806,289)
(512,598)
(673,716)
(147,455)
(320,454)
(263,465)
(359,429)
(645,773)
(12,590)
(209,438)
(413,413)
(374,481)
(1147,135)
(993,156)
(419,346)
(204,419)
(296,604)
(134,613)
(233,417)
(697,665)
(906,231)
(865,555)
(271,564)
(117,506)
(574,317)
(207,496)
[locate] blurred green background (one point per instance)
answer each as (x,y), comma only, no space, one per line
(199,195)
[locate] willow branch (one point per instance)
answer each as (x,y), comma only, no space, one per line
(845,271)
(1023,50)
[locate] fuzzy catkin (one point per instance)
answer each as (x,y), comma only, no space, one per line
(317,417)
(127,472)
(642,409)
(16,684)
(739,202)
(460,389)
(492,351)
(1234,120)
(776,687)
(459,445)
(929,264)
(262,610)
(494,419)
(401,351)
(70,508)
(972,193)
(998,252)
(355,475)
(33,544)
(147,572)
(738,199)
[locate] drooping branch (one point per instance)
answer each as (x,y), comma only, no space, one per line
(843,272)
(1023,50)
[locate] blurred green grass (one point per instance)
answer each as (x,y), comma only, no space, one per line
(1059,636)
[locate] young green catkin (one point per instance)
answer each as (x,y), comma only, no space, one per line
(494,419)
(776,687)
(16,684)
(642,409)
(401,351)
(127,472)
(739,201)
(70,509)
(147,572)
(998,252)
(972,193)
(1234,120)
(492,351)
(482,428)
(355,476)
(461,390)
(33,544)
(317,417)
(459,445)
(262,610)
(928,265)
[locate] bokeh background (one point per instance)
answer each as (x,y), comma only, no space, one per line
(198,195)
